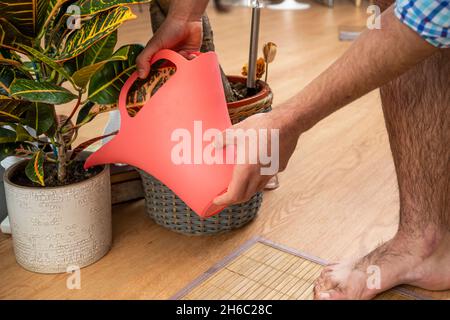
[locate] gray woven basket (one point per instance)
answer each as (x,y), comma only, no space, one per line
(163,206)
(166,209)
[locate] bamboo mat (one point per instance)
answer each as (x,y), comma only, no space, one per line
(263,270)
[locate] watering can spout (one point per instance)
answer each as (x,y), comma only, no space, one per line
(106,154)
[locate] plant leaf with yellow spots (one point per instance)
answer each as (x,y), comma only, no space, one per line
(27,16)
(91,31)
(10,36)
(35,168)
(12,110)
(105,84)
(49,62)
(89,7)
(40,92)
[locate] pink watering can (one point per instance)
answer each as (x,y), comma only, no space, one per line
(194,93)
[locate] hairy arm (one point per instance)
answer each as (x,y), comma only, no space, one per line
(375,58)
(187,9)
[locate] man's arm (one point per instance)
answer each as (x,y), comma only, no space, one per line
(375,58)
(181,31)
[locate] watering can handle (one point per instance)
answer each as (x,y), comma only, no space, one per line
(165,54)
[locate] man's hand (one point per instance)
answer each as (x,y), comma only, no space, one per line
(247,178)
(184,36)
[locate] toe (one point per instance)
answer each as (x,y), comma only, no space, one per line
(326,287)
(334,294)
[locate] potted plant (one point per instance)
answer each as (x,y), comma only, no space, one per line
(53,53)
(162,204)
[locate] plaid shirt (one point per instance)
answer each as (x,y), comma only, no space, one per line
(429,18)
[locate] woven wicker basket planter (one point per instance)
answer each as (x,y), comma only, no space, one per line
(169,211)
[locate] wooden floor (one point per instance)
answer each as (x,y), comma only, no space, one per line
(338,198)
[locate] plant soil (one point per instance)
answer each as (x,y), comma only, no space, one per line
(240,90)
(75,173)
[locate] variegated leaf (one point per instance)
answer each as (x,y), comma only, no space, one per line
(91,31)
(139,93)
(84,115)
(49,62)
(27,16)
(89,7)
(105,84)
(56,23)
(7,76)
(11,37)
(41,92)
(86,64)
(82,76)
(100,51)
(88,143)
(17,133)
(12,110)
(53,12)
(7,135)
(35,168)
(40,117)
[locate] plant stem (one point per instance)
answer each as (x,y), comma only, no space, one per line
(62,158)
(23,153)
(74,110)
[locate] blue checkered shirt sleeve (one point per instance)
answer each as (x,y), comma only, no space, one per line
(429,18)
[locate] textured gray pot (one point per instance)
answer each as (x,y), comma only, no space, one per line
(60,227)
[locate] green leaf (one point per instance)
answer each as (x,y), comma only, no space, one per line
(88,143)
(12,110)
(40,117)
(55,9)
(82,76)
(49,62)
(91,31)
(11,37)
(17,134)
(105,84)
(8,149)
(26,15)
(84,115)
(10,62)
(41,92)
(7,76)
(86,64)
(99,51)
(89,7)
(7,135)
(5,53)
(35,168)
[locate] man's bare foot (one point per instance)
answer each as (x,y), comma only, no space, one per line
(421,261)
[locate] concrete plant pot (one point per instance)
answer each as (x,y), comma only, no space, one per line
(57,227)
(3,211)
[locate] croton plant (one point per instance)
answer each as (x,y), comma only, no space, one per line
(55,52)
